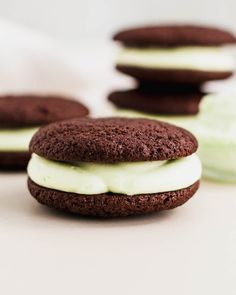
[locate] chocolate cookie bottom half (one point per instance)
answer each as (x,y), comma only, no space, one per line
(110,204)
(13,161)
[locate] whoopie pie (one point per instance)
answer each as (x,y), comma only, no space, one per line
(22,115)
(111,167)
(175,53)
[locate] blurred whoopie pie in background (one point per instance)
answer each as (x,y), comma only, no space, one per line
(170,64)
(22,115)
(176,53)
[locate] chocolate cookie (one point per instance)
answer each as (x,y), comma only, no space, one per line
(112,140)
(36,110)
(175,53)
(25,113)
(158,102)
(175,35)
(76,144)
(110,204)
(173,75)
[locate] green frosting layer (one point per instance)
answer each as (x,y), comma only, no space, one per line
(190,58)
(216,133)
(124,178)
(16,140)
(214,105)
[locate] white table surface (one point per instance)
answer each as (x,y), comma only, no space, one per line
(190,250)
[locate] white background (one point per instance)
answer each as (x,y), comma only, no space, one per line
(74,20)
(186,251)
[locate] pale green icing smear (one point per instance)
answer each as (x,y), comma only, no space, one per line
(123,178)
(189,58)
(216,133)
(217,149)
(218,158)
(219,105)
(14,140)
(219,175)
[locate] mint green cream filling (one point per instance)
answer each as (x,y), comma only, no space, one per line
(218,158)
(124,178)
(190,58)
(223,105)
(16,140)
(216,133)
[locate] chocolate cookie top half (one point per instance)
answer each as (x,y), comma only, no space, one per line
(175,35)
(36,110)
(112,140)
(161,103)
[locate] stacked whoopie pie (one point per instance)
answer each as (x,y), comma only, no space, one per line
(170,63)
(110,167)
(21,116)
